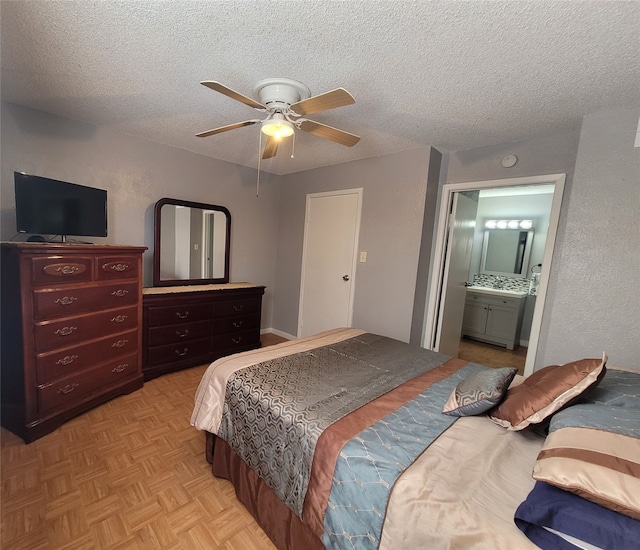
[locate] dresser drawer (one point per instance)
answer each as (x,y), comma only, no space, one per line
(57,269)
(236,324)
(170,315)
(57,364)
(175,353)
(183,332)
(240,306)
(236,341)
(71,390)
(56,302)
(118,267)
(72,330)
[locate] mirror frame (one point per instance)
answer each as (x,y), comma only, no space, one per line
(157,282)
(525,254)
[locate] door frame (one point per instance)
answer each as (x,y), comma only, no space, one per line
(310,196)
(433,313)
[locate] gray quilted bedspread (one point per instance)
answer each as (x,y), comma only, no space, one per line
(275,411)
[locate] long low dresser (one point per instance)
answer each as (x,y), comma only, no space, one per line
(190,325)
(71,336)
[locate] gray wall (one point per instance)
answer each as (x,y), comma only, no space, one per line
(548,155)
(136,173)
(592,303)
(393,201)
(594,280)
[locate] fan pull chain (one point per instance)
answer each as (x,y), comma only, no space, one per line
(293,145)
(259,160)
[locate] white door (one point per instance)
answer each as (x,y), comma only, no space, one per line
(332,224)
(462,225)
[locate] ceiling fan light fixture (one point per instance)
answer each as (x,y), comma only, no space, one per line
(277,127)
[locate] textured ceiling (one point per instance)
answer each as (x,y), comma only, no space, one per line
(452,74)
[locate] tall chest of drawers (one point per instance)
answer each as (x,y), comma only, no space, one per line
(191,325)
(71,331)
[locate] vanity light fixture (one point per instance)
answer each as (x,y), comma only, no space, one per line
(508,224)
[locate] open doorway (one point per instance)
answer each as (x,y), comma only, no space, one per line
(442,325)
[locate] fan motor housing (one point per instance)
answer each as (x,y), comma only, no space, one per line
(280,93)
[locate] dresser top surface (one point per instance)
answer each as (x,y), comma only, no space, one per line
(49,248)
(196,288)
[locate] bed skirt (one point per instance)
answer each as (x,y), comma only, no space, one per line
(281,525)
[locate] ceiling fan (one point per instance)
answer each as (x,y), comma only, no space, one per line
(286,103)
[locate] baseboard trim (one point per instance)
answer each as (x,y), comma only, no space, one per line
(278,333)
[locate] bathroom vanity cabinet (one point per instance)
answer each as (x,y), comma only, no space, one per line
(493,318)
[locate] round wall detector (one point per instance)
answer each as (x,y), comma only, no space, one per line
(509,161)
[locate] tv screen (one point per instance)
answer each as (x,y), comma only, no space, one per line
(53,207)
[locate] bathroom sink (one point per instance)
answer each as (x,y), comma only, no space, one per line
(498,291)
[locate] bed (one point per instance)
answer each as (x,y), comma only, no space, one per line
(352,440)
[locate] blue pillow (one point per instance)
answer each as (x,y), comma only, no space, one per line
(550,517)
(479,392)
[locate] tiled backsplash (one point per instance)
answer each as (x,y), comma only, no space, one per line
(508,283)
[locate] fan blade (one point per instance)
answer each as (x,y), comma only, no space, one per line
(270,148)
(227,128)
(329,100)
(328,132)
(216,86)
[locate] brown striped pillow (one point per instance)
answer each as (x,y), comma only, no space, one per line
(547,391)
(601,466)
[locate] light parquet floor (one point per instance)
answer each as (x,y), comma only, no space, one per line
(128,475)
(492,355)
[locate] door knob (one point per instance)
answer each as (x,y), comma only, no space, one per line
(345,277)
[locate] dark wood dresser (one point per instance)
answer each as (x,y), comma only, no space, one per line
(185,326)
(71,336)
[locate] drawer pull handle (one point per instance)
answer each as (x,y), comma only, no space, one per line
(120,368)
(238,307)
(117,267)
(182,315)
(183,333)
(65,331)
(68,388)
(119,318)
(120,292)
(119,343)
(68,269)
(66,360)
(67,300)
(237,340)
(183,352)
(237,324)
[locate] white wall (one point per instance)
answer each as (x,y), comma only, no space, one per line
(394,190)
(593,291)
(136,173)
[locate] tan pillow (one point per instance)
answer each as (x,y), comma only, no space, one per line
(546,391)
(600,465)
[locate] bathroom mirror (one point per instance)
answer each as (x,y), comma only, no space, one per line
(506,252)
(192,242)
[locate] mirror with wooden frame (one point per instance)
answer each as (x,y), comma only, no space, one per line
(191,245)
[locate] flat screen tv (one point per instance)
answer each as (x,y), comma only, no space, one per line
(51,207)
